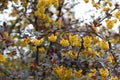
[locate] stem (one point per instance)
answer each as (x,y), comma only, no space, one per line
(37,55)
(60,10)
(37,62)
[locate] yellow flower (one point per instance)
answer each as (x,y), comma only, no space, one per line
(104,45)
(78,73)
(39,14)
(6,34)
(2,58)
(63,72)
(96,5)
(58,23)
(87,51)
(71,38)
(11,38)
(41,40)
(52,38)
(72,54)
(94,53)
(42,50)
(74,40)
(109,2)
(92,72)
(36,13)
(57,33)
(85,78)
(55,3)
(40,3)
(104,72)
(37,42)
(86,1)
(68,73)
(76,43)
(33,48)
(23,43)
(105,9)
(47,18)
(117,15)
(87,41)
(15,1)
(41,10)
(110,58)
(64,54)
(26,40)
(64,42)
(95,39)
(110,23)
(48,3)
(115,40)
(113,78)
(24,3)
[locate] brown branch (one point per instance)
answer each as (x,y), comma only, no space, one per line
(60,10)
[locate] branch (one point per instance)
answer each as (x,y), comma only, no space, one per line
(60,10)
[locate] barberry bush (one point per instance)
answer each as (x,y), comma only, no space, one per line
(44,40)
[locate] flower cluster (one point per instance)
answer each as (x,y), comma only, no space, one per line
(63,72)
(2,58)
(71,54)
(87,41)
(92,73)
(68,73)
(104,45)
(42,4)
(86,1)
(46,41)
(52,38)
(74,40)
(117,15)
(104,72)
(77,73)
(64,42)
(113,78)
(37,41)
(42,50)
(110,23)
